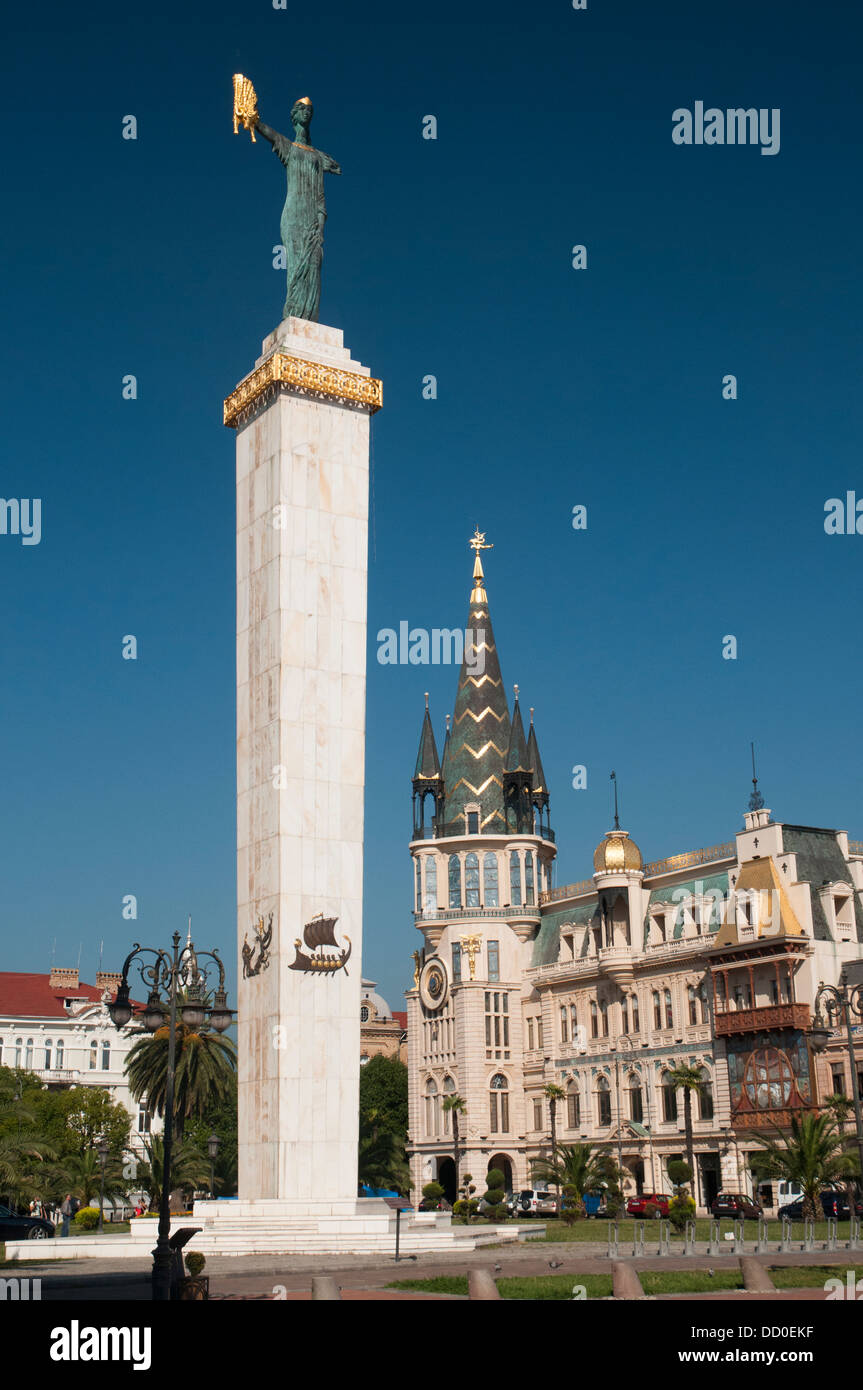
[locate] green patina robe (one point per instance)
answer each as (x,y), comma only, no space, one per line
(302,224)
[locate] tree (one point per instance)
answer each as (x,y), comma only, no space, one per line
(579,1167)
(455,1106)
(554,1093)
(384,1089)
(81,1174)
(688,1079)
(205,1063)
(189,1168)
(811,1155)
(218,1117)
(381,1156)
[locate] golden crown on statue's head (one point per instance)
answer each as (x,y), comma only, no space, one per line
(303,101)
(245,104)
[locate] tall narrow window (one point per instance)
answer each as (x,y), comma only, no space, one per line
(657,1011)
(471,880)
(448,1090)
(603,1102)
(430,900)
(530,1035)
(497,1025)
(93,1055)
(28,1056)
(633,1013)
(564,1024)
(143,1118)
(499,1104)
(431,1109)
(603,1013)
(473,822)
(106,1056)
(669,1099)
(493,960)
(528,879)
(489,873)
(60,1046)
(17,1053)
(456,962)
(539,1033)
(573,1023)
(636,1104)
(594,1019)
(693,1004)
(48,1050)
(537,1114)
(705,1096)
(454,881)
(418,879)
(669,1016)
(514,878)
(573,1108)
(624,1014)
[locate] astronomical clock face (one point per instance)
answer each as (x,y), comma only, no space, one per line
(434,985)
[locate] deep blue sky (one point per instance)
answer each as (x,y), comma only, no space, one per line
(555,387)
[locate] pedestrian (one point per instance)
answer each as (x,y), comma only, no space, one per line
(67,1210)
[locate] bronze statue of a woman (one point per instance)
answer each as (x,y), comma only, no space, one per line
(305,211)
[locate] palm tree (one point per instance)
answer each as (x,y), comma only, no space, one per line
(204,1067)
(577,1166)
(455,1106)
(22,1175)
(841,1108)
(189,1168)
(690,1079)
(381,1157)
(812,1155)
(81,1174)
(554,1093)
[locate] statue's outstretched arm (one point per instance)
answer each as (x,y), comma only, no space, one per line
(266,131)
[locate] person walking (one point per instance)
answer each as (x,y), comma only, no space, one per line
(67,1208)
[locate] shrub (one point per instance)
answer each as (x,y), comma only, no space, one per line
(572,1207)
(680,1210)
(679,1171)
(195,1262)
(432,1192)
(87,1218)
(651,1211)
(495,1197)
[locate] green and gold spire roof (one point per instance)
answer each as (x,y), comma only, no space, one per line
(479,739)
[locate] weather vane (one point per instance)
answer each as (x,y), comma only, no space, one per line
(477,542)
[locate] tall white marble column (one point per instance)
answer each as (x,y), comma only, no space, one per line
(302,421)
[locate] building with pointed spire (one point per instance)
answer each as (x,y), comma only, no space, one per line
(605,988)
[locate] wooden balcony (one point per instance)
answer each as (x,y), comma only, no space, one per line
(763,1019)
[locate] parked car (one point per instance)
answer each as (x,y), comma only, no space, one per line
(833,1203)
(14,1227)
(736,1204)
(660,1200)
(534,1202)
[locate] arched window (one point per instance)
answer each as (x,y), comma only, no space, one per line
(430,900)
(499,1104)
(705,1096)
(514,878)
(489,874)
(528,879)
(60,1046)
(93,1055)
(603,1102)
(456,962)
(573,1023)
(669,1099)
(636,1102)
(28,1055)
(603,1010)
(471,880)
(17,1053)
(669,1016)
(624,1014)
(633,1013)
(573,1107)
(106,1056)
(594,1019)
(454,881)
(364,1013)
(48,1052)
(657,1010)
(431,1109)
(418,876)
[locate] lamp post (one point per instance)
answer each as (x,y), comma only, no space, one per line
(840,1002)
(103,1151)
(213,1150)
(180,975)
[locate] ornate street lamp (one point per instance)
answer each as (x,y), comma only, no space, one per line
(179,974)
(213,1150)
(840,1002)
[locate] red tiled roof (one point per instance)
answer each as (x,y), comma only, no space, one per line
(30,996)
(401,1019)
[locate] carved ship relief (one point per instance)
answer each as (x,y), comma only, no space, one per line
(317,935)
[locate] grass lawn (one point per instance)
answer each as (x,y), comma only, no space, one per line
(559,1287)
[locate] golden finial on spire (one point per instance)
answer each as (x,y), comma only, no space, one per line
(477,543)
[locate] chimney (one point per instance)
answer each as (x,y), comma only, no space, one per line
(108,980)
(63,979)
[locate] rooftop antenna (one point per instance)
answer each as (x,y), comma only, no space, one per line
(616,817)
(756,800)
(189,933)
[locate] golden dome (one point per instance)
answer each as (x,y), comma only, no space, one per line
(617,853)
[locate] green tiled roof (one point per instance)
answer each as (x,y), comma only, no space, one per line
(546,947)
(705,883)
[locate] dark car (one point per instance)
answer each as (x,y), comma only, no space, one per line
(14,1227)
(736,1204)
(833,1203)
